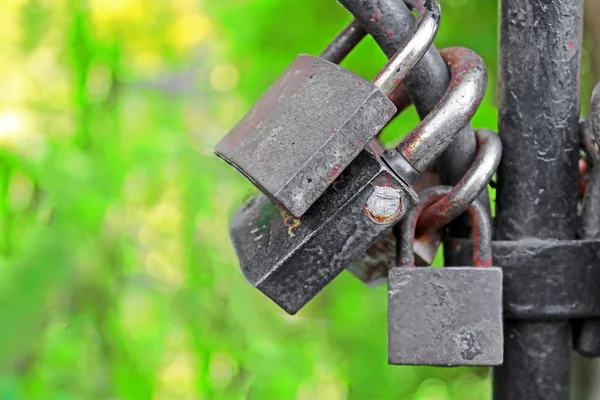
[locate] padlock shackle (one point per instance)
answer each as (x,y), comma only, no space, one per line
(482,229)
(453,112)
(344,43)
(400,64)
(476,179)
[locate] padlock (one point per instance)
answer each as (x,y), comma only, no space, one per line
(316,118)
(449,316)
(373,266)
(292,259)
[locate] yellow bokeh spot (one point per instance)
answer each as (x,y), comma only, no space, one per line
(20,191)
(322,391)
(177,378)
(191,30)
(162,268)
(117,10)
(224,78)
(98,82)
(16,138)
(222,369)
(11,125)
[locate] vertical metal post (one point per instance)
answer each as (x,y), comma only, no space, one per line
(540,53)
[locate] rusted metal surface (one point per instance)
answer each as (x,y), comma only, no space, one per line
(489,151)
(372,268)
(427,81)
(384,205)
(482,228)
(305,130)
(292,259)
(332,114)
(442,212)
(445,121)
(405,59)
(454,111)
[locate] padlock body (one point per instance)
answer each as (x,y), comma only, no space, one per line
(305,130)
(292,259)
(371,268)
(448,316)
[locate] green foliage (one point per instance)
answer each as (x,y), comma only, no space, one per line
(117,279)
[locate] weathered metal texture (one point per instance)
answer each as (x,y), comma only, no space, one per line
(539,71)
(468,188)
(317,117)
(455,109)
(587,340)
(305,130)
(343,43)
(540,53)
(543,279)
(405,59)
(539,349)
(292,259)
(453,112)
(289,289)
(372,269)
(450,316)
(391,24)
(482,229)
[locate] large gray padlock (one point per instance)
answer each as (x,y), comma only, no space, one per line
(316,118)
(292,259)
(449,316)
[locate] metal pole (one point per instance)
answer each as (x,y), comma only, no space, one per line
(540,52)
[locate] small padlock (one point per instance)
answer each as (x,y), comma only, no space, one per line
(292,259)
(316,118)
(449,316)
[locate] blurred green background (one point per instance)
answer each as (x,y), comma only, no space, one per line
(117,278)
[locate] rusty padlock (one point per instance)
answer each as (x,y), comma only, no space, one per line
(372,267)
(292,259)
(449,316)
(316,118)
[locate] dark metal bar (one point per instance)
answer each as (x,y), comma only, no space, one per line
(536,361)
(343,44)
(540,52)
(391,24)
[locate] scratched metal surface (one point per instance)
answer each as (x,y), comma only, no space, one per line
(291,260)
(540,63)
(445,316)
(391,24)
(305,130)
